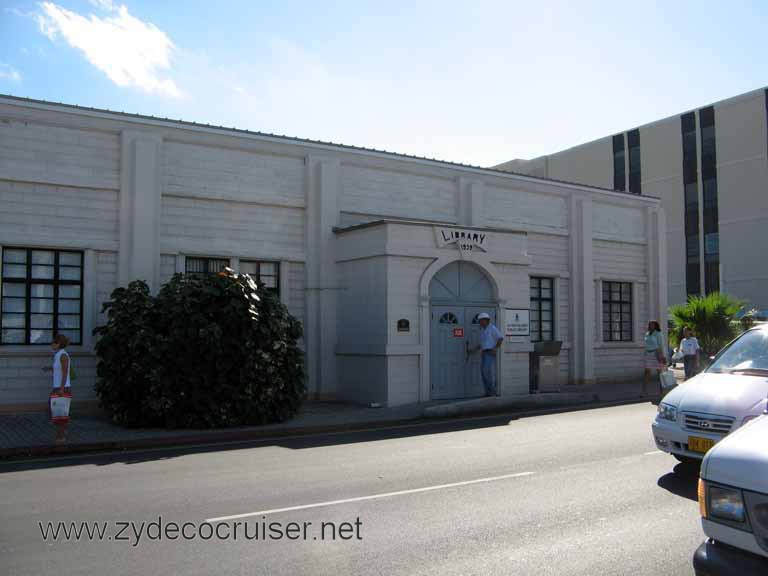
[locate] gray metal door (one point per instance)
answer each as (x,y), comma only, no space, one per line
(459,292)
(473,381)
(447,352)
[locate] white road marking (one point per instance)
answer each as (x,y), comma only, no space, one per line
(372,497)
(652,452)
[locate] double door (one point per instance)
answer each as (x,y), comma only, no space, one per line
(455,372)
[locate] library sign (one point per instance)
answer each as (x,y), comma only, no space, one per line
(466,239)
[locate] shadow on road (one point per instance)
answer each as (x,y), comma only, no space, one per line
(682,481)
(138,456)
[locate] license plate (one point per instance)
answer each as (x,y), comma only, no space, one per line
(696,444)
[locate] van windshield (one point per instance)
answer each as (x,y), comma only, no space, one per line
(747,354)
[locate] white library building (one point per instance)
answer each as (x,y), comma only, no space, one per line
(386,259)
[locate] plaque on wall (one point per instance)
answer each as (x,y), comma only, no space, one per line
(517,322)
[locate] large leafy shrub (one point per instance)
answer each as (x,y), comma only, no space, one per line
(207,351)
(711,318)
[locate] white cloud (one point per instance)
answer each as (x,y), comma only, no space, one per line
(105,5)
(8,72)
(131,52)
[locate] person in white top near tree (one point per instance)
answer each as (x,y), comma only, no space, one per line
(690,348)
(62,384)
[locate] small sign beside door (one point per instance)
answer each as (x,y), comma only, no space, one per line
(458,332)
(517,322)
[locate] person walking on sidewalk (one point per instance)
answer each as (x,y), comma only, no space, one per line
(490,341)
(690,348)
(62,384)
(655,358)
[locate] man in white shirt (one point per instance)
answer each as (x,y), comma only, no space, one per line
(689,346)
(490,341)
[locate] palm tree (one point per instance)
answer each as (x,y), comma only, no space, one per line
(710,317)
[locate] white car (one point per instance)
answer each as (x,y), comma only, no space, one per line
(694,416)
(733,498)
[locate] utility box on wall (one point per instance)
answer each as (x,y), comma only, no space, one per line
(545,367)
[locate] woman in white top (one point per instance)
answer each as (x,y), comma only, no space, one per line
(655,358)
(689,346)
(61,377)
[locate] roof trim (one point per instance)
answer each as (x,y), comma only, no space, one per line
(317,144)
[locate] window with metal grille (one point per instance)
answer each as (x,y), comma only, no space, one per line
(201,266)
(265,273)
(542,309)
(617,312)
(41,295)
(619,168)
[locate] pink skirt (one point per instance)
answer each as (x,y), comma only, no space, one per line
(652,361)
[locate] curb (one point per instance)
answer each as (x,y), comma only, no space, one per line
(244,436)
(491,405)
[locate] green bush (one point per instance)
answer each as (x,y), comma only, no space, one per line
(710,317)
(207,351)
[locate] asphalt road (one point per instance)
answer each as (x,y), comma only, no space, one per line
(580,493)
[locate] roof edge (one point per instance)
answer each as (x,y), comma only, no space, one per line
(318,144)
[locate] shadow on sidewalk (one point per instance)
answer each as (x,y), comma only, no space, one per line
(297,442)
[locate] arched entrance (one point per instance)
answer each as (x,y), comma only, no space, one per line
(458,293)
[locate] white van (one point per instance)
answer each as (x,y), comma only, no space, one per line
(733,498)
(730,393)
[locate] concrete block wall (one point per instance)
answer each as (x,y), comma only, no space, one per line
(387,191)
(140,195)
(59,188)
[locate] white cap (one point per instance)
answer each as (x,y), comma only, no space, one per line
(483,316)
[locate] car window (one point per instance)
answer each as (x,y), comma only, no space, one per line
(748,353)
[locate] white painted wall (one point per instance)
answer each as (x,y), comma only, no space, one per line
(140,195)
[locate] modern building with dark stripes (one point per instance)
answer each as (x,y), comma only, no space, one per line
(709,167)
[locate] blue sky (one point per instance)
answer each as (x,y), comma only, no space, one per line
(475,82)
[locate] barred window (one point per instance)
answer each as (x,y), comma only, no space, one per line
(42,295)
(264,272)
(201,266)
(542,309)
(617,312)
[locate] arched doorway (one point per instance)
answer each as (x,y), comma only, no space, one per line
(458,293)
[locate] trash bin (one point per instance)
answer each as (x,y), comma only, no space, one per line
(545,367)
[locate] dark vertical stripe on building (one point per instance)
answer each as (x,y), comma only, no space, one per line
(619,171)
(633,146)
(691,196)
(709,188)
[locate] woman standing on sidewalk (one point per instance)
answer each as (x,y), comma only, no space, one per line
(655,358)
(61,384)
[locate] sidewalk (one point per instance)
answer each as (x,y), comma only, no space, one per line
(32,434)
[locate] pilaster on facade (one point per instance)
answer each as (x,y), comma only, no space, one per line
(140,192)
(322,215)
(471,203)
(657,263)
(582,287)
